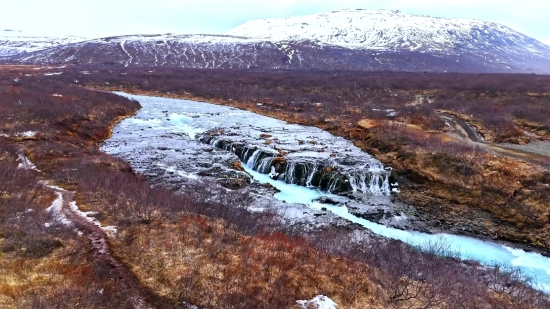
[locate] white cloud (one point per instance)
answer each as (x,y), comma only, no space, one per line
(545,41)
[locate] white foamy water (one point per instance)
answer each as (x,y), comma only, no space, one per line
(160,117)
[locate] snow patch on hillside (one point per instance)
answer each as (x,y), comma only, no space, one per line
(26,164)
(56,211)
(164,39)
(26,134)
(88,216)
(318,302)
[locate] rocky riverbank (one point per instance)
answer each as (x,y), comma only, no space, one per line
(182,145)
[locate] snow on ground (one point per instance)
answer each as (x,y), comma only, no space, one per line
(401,217)
(174,169)
(22,134)
(318,302)
(46,184)
(163,39)
(110,230)
(26,164)
(86,215)
(56,210)
(27,134)
(130,58)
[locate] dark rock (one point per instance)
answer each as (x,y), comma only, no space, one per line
(326,200)
(228,178)
(372,216)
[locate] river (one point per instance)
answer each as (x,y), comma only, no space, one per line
(170,135)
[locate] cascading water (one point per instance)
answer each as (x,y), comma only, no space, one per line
(325,173)
(265,166)
(252,160)
(289,174)
(311,175)
(329,163)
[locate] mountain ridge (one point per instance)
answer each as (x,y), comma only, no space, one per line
(338,40)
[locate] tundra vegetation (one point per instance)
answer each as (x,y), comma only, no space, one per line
(204,247)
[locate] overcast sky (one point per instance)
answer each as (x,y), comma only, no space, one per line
(100,18)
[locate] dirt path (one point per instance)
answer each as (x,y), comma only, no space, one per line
(462,131)
(138,296)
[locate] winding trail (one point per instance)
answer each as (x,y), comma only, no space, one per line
(462,131)
(138,296)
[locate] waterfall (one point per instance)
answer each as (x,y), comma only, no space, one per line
(254,158)
(245,155)
(289,173)
(325,173)
(355,174)
(265,166)
(311,175)
(370,182)
(216,143)
(333,182)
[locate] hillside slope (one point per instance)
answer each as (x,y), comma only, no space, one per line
(341,40)
(242,53)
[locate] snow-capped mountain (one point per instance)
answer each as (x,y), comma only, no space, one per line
(230,52)
(391,30)
(340,40)
(13,42)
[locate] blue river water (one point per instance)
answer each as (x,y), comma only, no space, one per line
(534,265)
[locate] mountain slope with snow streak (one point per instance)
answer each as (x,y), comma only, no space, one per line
(229,52)
(193,51)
